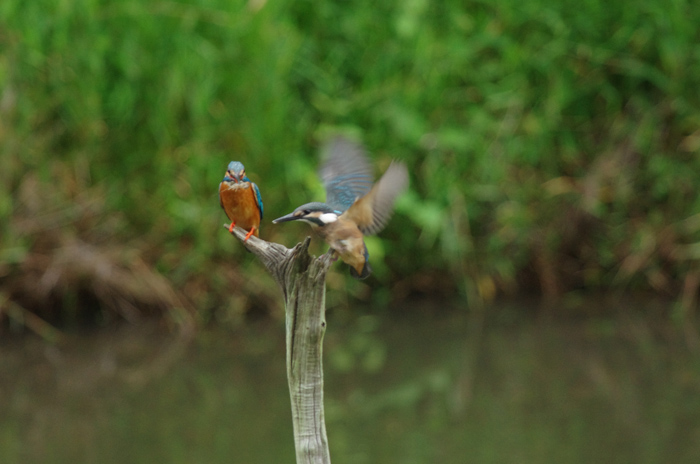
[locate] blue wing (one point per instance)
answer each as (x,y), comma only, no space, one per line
(346,173)
(258,198)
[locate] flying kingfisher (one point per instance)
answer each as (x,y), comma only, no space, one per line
(240,199)
(354,207)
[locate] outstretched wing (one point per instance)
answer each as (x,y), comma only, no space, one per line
(258,198)
(373,211)
(346,173)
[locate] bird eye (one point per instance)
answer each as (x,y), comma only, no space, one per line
(306,212)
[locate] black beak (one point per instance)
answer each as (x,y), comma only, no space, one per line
(287,218)
(231,176)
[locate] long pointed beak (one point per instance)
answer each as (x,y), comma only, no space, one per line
(287,218)
(231,177)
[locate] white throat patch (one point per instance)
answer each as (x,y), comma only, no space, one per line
(327,218)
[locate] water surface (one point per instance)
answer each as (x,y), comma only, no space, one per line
(422,386)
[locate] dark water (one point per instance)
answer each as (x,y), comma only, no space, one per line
(425,387)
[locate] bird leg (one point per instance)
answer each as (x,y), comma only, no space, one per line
(230,228)
(250,232)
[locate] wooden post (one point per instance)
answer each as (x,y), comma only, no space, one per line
(302,279)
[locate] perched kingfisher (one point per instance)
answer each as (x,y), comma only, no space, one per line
(354,207)
(240,199)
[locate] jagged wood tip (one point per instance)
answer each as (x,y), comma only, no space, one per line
(276,257)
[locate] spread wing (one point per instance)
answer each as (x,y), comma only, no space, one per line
(258,198)
(346,173)
(373,211)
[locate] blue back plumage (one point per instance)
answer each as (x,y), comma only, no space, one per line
(258,198)
(346,173)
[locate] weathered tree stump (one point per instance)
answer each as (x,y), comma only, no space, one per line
(302,279)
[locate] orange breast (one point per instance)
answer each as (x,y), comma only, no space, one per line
(238,201)
(353,254)
(345,238)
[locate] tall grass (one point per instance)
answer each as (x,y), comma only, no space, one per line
(553,146)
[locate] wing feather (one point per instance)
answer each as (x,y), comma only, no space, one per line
(372,212)
(258,198)
(346,173)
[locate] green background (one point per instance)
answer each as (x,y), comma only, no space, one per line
(553,148)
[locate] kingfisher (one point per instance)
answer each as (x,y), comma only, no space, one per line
(240,199)
(354,207)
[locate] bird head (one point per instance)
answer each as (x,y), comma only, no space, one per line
(316,214)
(235,172)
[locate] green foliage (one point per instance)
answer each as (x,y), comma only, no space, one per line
(545,139)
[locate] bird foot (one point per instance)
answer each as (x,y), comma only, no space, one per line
(250,232)
(230,228)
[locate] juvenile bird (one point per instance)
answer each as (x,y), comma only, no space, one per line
(354,207)
(240,199)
